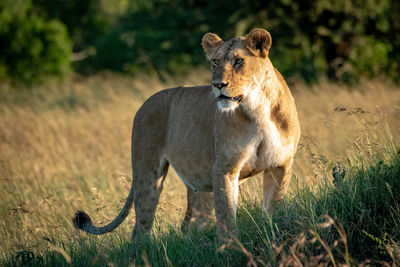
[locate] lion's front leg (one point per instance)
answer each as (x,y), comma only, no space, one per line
(226,192)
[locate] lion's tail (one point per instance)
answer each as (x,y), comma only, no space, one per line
(83,222)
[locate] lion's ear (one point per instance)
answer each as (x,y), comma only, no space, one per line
(258,41)
(211,42)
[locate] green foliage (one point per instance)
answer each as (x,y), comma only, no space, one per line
(31,46)
(341,39)
(85,19)
(158,36)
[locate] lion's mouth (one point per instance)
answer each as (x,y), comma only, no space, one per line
(236,98)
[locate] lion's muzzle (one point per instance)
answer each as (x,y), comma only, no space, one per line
(236,98)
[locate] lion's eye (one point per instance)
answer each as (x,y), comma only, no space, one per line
(214,62)
(238,62)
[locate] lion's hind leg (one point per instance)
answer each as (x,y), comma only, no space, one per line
(199,209)
(148,184)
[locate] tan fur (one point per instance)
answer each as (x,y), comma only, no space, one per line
(213,143)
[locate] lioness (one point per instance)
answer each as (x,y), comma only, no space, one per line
(214,136)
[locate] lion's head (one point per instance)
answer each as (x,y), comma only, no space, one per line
(239,67)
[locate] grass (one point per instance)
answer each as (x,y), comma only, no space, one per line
(67,147)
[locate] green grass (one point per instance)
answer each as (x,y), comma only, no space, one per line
(66,147)
(353,220)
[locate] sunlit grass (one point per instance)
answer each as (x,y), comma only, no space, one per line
(67,147)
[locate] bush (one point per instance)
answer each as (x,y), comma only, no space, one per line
(85,20)
(32,47)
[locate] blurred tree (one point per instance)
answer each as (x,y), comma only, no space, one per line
(341,39)
(86,20)
(162,35)
(31,46)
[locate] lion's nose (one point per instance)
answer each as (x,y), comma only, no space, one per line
(220,85)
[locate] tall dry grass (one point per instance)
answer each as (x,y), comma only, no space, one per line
(67,147)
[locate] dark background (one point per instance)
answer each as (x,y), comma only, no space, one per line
(339,39)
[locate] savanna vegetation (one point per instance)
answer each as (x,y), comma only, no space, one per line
(73,74)
(67,147)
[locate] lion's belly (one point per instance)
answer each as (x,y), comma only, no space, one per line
(197,180)
(193,164)
(190,153)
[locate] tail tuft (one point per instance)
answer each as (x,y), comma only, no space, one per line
(81,220)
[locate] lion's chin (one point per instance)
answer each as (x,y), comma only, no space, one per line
(227,105)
